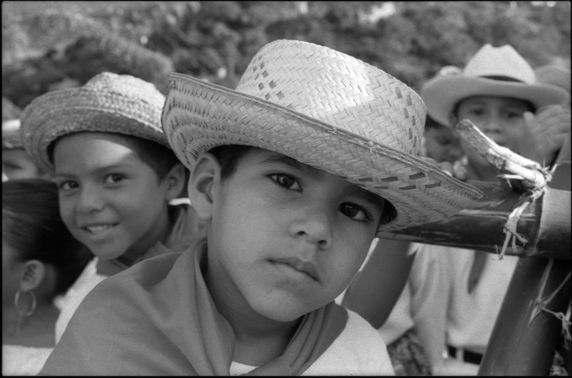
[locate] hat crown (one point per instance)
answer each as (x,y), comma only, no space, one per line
(108,102)
(503,61)
(338,90)
(126,85)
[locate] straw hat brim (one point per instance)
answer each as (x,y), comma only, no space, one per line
(441,94)
(67,111)
(198,116)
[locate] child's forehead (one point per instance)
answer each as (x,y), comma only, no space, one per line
(96,136)
(109,144)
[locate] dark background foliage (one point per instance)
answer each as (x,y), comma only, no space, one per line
(49,45)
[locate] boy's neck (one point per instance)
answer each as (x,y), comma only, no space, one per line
(159,235)
(256,346)
(257,339)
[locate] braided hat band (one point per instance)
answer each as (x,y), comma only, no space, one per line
(325,109)
(107,103)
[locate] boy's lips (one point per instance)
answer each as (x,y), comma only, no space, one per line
(301,266)
(97,230)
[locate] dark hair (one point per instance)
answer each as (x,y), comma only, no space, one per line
(228,157)
(159,157)
(31,224)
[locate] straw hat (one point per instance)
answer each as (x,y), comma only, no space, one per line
(492,71)
(107,103)
(325,109)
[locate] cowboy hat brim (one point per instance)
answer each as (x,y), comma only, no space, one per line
(441,94)
(198,116)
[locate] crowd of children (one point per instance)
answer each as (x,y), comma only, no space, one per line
(221,231)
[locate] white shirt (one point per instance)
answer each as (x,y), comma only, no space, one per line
(69,302)
(23,360)
(358,350)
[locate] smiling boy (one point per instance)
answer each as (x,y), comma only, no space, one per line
(294,172)
(116,175)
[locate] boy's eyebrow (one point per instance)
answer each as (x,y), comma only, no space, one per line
(368,196)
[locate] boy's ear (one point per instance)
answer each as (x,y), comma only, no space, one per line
(32,275)
(176,179)
(204,176)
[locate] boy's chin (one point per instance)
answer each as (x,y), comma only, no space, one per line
(285,311)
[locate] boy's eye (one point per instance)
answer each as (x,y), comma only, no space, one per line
(355,212)
(113,178)
(66,185)
(476,112)
(285,181)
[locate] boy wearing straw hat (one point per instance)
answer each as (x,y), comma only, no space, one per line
(16,163)
(295,172)
(116,175)
(499,92)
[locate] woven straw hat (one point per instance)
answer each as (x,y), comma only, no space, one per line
(106,103)
(493,71)
(325,109)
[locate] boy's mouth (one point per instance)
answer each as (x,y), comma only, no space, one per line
(98,228)
(301,266)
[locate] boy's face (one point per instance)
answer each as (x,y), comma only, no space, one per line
(17,164)
(499,118)
(285,238)
(110,200)
(442,144)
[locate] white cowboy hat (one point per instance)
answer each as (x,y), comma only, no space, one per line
(492,71)
(108,102)
(325,109)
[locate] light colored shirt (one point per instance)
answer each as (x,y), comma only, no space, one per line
(358,350)
(69,302)
(448,314)
(23,360)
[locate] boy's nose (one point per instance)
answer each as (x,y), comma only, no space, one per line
(89,200)
(491,125)
(315,226)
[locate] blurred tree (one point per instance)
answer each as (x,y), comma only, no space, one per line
(216,40)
